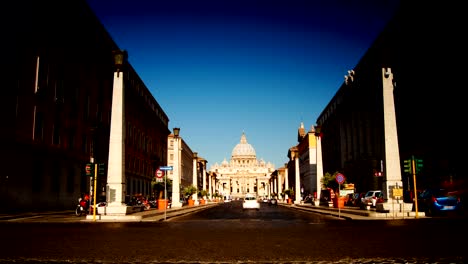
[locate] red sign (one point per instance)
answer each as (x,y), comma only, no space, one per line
(340,178)
(159,173)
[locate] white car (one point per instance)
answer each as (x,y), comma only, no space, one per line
(250,202)
(371,198)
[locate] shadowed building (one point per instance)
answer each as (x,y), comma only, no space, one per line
(59,110)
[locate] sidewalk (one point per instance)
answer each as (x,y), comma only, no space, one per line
(154,214)
(355,213)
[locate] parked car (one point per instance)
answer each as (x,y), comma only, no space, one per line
(250,202)
(437,201)
(272,201)
(326,197)
(351,199)
(371,198)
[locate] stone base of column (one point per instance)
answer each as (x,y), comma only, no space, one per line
(118,209)
(176,204)
(394,206)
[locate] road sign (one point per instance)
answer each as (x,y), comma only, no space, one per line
(340,178)
(159,173)
(165,168)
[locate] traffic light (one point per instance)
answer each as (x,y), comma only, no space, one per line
(407,166)
(101,168)
(418,165)
(89,169)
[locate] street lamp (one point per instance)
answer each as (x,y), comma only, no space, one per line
(120,56)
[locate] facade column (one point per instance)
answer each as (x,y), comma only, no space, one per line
(204,174)
(210,190)
(286,180)
(280,183)
(275,184)
(297,190)
(194,177)
(175,203)
(116,188)
(319,167)
(392,173)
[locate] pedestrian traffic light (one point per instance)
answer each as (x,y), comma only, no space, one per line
(89,169)
(407,166)
(418,165)
(101,168)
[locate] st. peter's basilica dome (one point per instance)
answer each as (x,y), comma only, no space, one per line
(243,148)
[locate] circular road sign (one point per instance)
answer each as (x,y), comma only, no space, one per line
(340,178)
(159,173)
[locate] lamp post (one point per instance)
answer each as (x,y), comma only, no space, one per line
(176,172)
(116,182)
(194,177)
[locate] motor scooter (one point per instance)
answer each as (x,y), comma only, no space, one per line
(82,207)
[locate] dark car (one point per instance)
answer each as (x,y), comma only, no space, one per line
(272,201)
(438,201)
(351,199)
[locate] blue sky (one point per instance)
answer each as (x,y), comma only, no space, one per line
(221,68)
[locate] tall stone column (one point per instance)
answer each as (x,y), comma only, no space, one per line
(280,184)
(116,188)
(204,174)
(297,190)
(175,203)
(286,180)
(210,190)
(319,164)
(392,173)
(195,176)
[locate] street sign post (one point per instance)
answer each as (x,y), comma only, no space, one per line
(165,168)
(340,178)
(159,175)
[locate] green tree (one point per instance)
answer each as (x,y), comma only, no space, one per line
(159,187)
(203,194)
(329,181)
(189,191)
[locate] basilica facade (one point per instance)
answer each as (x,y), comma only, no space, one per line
(243,174)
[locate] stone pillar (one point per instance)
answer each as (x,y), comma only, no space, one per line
(116,188)
(204,174)
(175,203)
(210,179)
(194,177)
(280,184)
(392,173)
(297,190)
(286,180)
(319,167)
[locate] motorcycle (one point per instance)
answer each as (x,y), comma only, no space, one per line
(82,208)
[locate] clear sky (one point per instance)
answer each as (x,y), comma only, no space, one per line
(219,68)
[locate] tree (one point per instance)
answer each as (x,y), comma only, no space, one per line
(189,191)
(289,192)
(329,181)
(159,187)
(203,193)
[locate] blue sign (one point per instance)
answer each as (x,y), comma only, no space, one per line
(165,168)
(340,178)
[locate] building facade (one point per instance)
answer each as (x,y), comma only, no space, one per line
(244,173)
(59,111)
(427,120)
